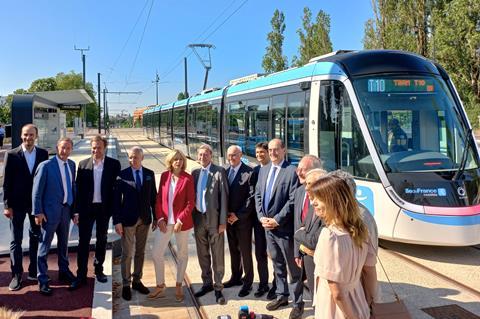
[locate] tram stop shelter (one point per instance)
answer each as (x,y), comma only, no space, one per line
(46,111)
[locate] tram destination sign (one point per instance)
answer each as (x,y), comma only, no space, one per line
(66,107)
(400,85)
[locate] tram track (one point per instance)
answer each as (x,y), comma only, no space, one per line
(197,307)
(461,286)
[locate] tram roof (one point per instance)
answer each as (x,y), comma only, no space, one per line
(358,63)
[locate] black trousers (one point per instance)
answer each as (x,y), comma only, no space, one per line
(309,268)
(16,252)
(240,244)
(261,254)
(85,225)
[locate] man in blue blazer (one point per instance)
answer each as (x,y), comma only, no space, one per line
(133,211)
(52,198)
(274,200)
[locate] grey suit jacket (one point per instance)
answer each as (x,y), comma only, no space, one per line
(216,197)
(308,236)
(280,206)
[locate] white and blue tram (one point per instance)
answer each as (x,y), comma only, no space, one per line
(392,119)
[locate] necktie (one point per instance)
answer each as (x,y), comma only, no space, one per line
(231,176)
(69,185)
(138,181)
(268,190)
(305,208)
(203,186)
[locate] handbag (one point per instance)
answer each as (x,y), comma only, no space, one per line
(389,310)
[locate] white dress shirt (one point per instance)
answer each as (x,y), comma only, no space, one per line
(64,179)
(30,157)
(97,180)
(279,166)
(171,192)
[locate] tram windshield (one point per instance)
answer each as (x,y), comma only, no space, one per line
(414,123)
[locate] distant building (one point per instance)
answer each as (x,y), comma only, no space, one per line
(138,117)
(3,100)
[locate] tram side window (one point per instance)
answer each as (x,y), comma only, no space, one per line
(278,116)
(201,124)
(236,124)
(212,128)
(179,125)
(257,124)
(355,157)
(328,121)
(295,126)
(192,131)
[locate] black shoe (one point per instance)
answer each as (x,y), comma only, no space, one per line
(138,286)
(67,277)
(219,297)
(232,283)
(101,277)
(272,293)
(45,289)
(245,291)
(260,292)
(77,283)
(296,313)
(204,290)
(126,293)
(16,283)
(32,276)
(274,305)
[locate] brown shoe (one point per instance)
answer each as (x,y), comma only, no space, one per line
(159,292)
(179,292)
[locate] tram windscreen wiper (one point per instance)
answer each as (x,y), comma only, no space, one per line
(463,163)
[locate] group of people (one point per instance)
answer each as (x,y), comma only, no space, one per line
(52,193)
(306,219)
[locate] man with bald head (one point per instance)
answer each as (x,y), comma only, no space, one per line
(20,165)
(239,222)
(274,199)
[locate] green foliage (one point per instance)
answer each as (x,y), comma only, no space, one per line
(446,31)
(314,37)
(274,60)
(399,25)
(42,85)
(181,96)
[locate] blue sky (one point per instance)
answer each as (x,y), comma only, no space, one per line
(37,39)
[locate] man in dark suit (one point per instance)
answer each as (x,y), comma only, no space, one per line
(306,224)
(20,165)
(96,177)
(53,196)
(209,221)
(261,153)
(239,218)
(274,193)
(134,209)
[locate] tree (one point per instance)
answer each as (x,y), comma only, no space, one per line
(42,85)
(181,96)
(399,25)
(314,37)
(456,46)
(274,60)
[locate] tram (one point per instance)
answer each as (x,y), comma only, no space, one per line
(392,119)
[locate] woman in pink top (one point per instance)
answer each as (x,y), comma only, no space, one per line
(343,251)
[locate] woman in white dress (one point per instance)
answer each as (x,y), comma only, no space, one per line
(343,251)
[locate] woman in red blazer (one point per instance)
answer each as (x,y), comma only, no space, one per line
(174,205)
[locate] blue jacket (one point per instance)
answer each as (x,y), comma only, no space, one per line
(47,193)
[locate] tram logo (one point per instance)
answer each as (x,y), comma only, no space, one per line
(461,191)
(365,196)
(431,192)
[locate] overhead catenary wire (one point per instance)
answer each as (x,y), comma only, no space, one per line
(140,44)
(126,42)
